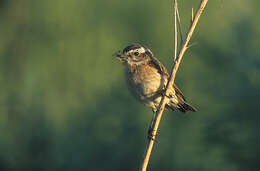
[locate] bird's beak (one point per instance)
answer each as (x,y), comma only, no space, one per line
(120,56)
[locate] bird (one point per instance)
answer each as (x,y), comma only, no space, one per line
(147,78)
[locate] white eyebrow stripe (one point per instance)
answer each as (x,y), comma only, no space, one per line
(140,50)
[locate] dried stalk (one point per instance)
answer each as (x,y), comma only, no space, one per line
(175,30)
(171,81)
(179,25)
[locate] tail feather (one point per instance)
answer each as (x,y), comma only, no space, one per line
(170,108)
(183,107)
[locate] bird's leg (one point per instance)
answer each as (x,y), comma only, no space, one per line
(163,92)
(150,130)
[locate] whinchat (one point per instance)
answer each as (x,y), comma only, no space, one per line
(147,78)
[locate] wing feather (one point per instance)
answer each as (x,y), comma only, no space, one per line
(162,70)
(179,93)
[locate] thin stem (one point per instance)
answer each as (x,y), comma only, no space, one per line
(192,15)
(187,39)
(175,30)
(170,82)
(179,25)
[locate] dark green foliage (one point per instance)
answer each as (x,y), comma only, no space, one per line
(64,104)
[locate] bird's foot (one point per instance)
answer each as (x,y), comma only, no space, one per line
(163,93)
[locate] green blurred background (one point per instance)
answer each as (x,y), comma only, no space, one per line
(64,104)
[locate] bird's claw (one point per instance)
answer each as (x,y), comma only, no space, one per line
(163,93)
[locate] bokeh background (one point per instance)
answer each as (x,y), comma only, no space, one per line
(64,104)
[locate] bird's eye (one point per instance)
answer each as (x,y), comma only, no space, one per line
(136,53)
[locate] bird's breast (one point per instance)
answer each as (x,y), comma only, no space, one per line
(144,81)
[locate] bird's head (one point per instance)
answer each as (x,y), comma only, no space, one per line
(135,54)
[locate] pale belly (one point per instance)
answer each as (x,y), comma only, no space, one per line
(146,86)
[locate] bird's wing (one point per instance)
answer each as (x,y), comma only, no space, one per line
(156,63)
(179,93)
(162,70)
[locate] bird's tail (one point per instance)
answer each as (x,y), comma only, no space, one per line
(183,107)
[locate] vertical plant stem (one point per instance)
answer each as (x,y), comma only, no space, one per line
(170,82)
(175,30)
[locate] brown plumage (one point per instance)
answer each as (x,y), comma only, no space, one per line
(147,78)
